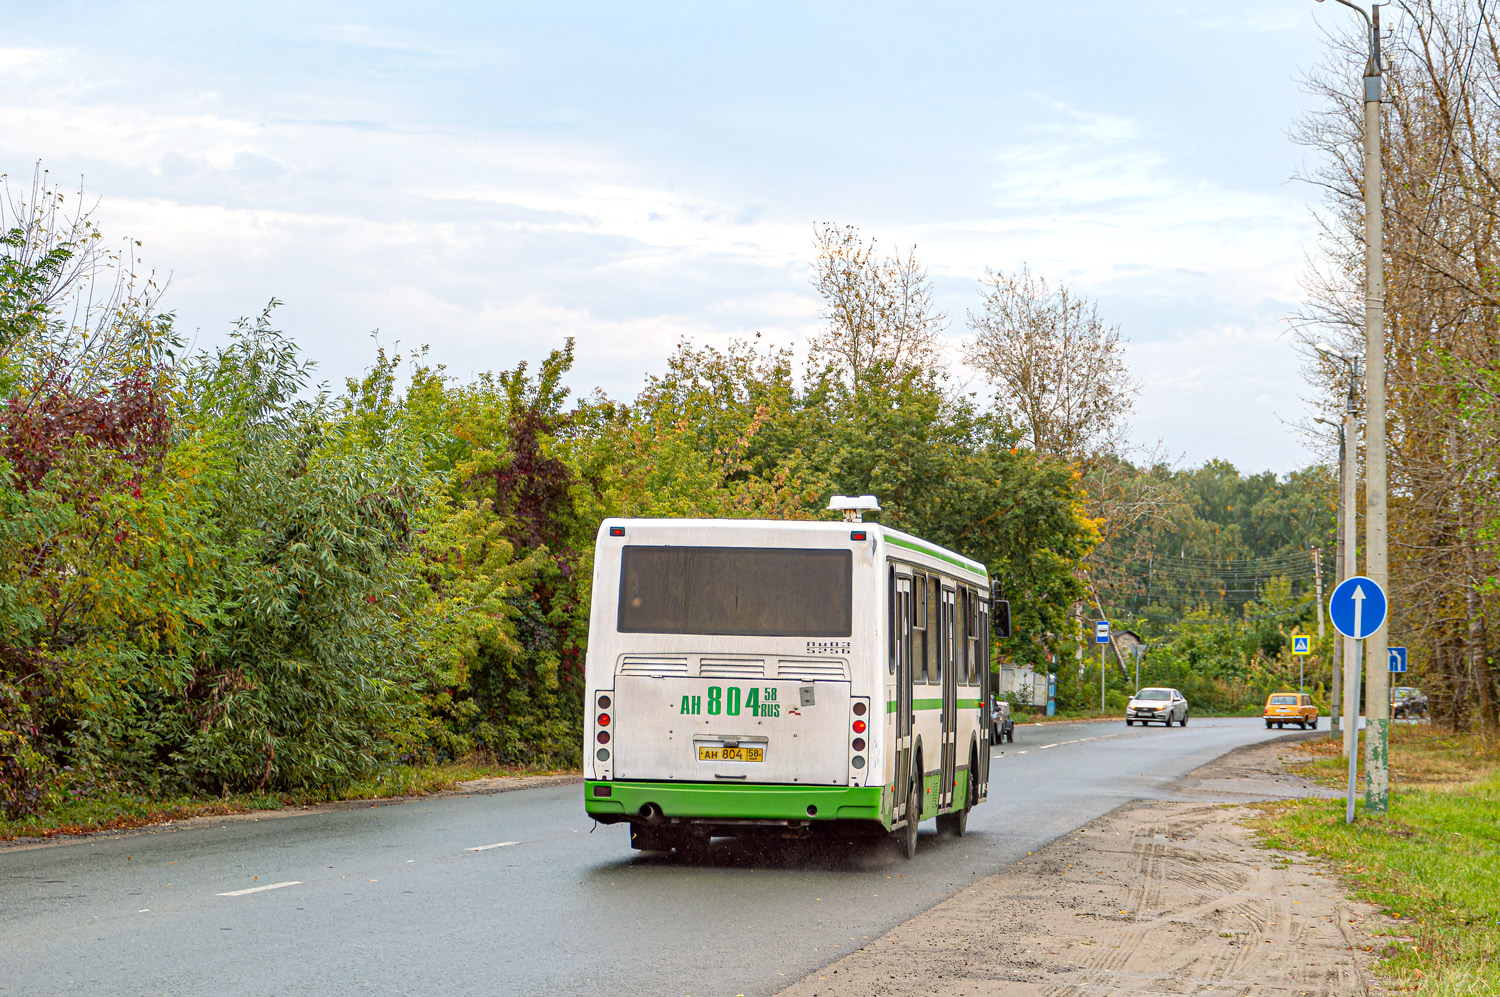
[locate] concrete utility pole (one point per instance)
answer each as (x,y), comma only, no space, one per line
(1351,568)
(1336,687)
(1317,556)
(1343,692)
(1378,697)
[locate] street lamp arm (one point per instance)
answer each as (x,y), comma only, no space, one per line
(1358,10)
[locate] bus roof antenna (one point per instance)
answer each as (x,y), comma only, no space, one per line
(853,507)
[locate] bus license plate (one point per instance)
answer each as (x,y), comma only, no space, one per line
(731,754)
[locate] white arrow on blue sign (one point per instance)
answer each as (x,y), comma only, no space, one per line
(1101,632)
(1357,607)
(1398,658)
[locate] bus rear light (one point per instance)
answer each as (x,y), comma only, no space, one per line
(858,535)
(603,737)
(859,726)
(858,762)
(602,754)
(603,790)
(859,709)
(604,702)
(858,744)
(604,720)
(617,531)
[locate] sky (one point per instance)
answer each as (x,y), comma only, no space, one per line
(488,179)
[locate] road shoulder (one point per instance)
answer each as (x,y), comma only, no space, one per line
(1155,897)
(471,787)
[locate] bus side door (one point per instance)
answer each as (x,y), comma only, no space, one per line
(947,654)
(904,612)
(986,697)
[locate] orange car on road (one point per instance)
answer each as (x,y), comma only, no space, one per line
(1284,708)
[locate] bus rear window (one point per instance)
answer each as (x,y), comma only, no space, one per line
(748,591)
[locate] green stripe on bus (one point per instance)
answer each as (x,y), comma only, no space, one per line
(938,553)
(935,704)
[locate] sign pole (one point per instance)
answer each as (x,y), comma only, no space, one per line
(1351,696)
(1102,638)
(1302,647)
(1352,649)
(1359,610)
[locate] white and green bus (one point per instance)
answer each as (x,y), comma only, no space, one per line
(749,676)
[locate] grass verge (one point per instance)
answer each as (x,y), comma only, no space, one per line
(78,806)
(1431,862)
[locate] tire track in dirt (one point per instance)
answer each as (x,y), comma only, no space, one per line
(1155,898)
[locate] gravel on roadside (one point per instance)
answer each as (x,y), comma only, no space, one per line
(1152,898)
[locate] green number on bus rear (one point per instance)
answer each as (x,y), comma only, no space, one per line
(732,701)
(715,700)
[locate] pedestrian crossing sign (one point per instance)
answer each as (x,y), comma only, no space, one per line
(1301,645)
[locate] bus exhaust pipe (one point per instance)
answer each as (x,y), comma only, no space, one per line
(651,812)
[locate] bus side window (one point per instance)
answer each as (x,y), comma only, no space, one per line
(983,661)
(919,644)
(973,637)
(935,619)
(961,675)
(954,655)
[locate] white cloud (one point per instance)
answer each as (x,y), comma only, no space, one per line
(493,242)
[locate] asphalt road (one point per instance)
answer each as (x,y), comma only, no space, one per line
(401,898)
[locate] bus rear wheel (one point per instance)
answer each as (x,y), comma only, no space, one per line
(957,822)
(908,839)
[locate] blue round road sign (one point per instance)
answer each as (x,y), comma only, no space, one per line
(1357,607)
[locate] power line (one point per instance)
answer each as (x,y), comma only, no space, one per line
(1195,560)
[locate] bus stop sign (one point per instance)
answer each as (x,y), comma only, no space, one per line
(1101,632)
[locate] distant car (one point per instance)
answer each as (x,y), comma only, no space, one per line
(1163,705)
(1001,723)
(1407,701)
(1284,708)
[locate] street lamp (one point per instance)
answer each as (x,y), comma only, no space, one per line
(1377,740)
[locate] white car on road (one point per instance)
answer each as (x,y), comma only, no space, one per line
(1157,705)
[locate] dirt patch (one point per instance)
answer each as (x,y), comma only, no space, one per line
(505,784)
(1154,898)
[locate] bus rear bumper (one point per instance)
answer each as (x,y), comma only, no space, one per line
(745,804)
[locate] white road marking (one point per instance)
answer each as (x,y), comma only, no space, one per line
(262,889)
(1081,740)
(498,844)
